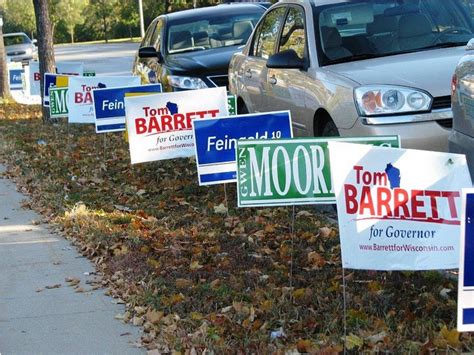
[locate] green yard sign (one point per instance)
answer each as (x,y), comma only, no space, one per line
(232,104)
(58,102)
(290,171)
(89,73)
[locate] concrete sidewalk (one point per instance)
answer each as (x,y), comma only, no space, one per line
(57,320)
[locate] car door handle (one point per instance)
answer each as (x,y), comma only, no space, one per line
(248,73)
(272,80)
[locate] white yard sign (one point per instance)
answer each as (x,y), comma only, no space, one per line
(80,99)
(398,209)
(159,126)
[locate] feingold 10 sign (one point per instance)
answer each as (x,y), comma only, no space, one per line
(290,171)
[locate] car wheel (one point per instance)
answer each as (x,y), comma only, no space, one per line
(330,130)
(242,109)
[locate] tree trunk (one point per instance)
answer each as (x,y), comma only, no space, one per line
(45,47)
(71,32)
(4,76)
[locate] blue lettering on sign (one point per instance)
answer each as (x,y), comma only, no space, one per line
(216,140)
(109,105)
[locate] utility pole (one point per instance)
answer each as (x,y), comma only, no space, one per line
(142,22)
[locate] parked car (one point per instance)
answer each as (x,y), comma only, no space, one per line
(191,49)
(19,47)
(357,67)
(461,139)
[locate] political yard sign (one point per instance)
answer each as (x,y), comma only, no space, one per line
(32,74)
(53,80)
(466,264)
(80,99)
(58,102)
(398,209)
(216,141)
(15,71)
(159,126)
(109,106)
(290,172)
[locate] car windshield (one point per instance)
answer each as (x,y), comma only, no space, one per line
(365,29)
(211,32)
(14,40)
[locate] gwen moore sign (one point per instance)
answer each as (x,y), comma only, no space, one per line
(216,141)
(80,99)
(289,172)
(466,264)
(159,126)
(109,106)
(58,102)
(398,209)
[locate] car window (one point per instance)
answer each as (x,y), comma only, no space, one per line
(146,42)
(155,40)
(357,30)
(13,40)
(267,34)
(293,35)
(212,31)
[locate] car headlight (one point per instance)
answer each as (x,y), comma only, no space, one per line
(186,82)
(388,100)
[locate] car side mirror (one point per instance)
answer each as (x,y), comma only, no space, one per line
(149,52)
(35,42)
(287,59)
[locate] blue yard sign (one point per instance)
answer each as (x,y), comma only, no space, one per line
(466,265)
(52,80)
(215,141)
(109,106)
(15,79)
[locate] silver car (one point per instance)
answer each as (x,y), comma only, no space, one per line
(19,47)
(357,67)
(461,139)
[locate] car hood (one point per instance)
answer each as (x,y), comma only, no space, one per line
(17,47)
(430,70)
(211,60)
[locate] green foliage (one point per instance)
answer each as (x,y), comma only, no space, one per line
(19,16)
(71,12)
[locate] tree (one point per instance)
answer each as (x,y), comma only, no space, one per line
(128,15)
(71,12)
(4,86)
(20,16)
(103,11)
(45,46)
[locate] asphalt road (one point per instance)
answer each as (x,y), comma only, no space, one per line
(104,59)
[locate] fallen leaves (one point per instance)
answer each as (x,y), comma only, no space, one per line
(195,276)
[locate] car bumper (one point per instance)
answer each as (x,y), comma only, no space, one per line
(422,131)
(463,144)
(22,58)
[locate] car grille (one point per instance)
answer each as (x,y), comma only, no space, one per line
(16,53)
(220,80)
(441,102)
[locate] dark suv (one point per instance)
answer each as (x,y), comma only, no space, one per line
(191,49)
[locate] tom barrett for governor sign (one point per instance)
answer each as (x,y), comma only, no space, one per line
(159,126)
(398,209)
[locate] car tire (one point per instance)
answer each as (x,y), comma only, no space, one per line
(242,109)
(329,129)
